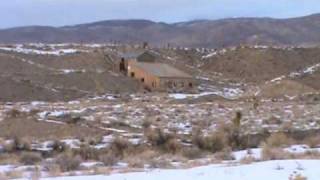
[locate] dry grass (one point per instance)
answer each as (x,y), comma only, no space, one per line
(273,153)
(6,158)
(14,174)
(54,170)
(278,140)
(68,162)
(30,158)
(247,160)
(313,142)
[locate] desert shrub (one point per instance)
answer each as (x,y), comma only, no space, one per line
(18,144)
(58,146)
(120,147)
(278,140)
(237,119)
(225,154)
(14,113)
(273,153)
(146,123)
(213,143)
(14,174)
(30,158)
(3,176)
(86,152)
(68,162)
(109,158)
(95,140)
(164,141)
(192,153)
(52,169)
(297,177)
(313,142)
(9,158)
(247,160)
(159,163)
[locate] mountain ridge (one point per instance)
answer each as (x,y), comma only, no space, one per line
(198,33)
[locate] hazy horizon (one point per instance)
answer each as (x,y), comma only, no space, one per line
(69,12)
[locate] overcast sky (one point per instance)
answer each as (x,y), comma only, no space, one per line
(66,12)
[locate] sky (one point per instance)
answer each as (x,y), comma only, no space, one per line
(15,13)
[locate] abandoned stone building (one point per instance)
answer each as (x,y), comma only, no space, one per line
(155,75)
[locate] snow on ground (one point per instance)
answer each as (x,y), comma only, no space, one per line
(57,52)
(275,170)
(227,93)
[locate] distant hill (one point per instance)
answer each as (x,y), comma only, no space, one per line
(205,33)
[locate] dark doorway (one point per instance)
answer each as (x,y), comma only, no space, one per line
(142,79)
(132,74)
(190,85)
(123,65)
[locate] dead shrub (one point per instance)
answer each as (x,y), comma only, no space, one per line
(273,153)
(164,141)
(247,160)
(3,176)
(278,140)
(30,158)
(18,144)
(9,158)
(297,177)
(120,147)
(192,153)
(313,142)
(68,162)
(87,153)
(53,169)
(225,154)
(14,174)
(109,159)
(159,163)
(14,113)
(213,143)
(58,146)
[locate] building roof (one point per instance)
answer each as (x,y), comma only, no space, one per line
(131,55)
(162,70)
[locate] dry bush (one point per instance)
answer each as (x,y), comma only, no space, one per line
(109,159)
(278,140)
(68,162)
(247,160)
(313,142)
(120,147)
(273,153)
(146,124)
(225,154)
(14,174)
(59,147)
(53,169)
(14,113)
(314,154)
(36,174)
(192,153)
(18,144)
(159,163)
(214,143)
(164,141)
(135,162)
(3,176)
(9,158)
(30,158)
(87,153)
(297,177)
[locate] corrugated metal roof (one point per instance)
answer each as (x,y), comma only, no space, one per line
(161,70)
